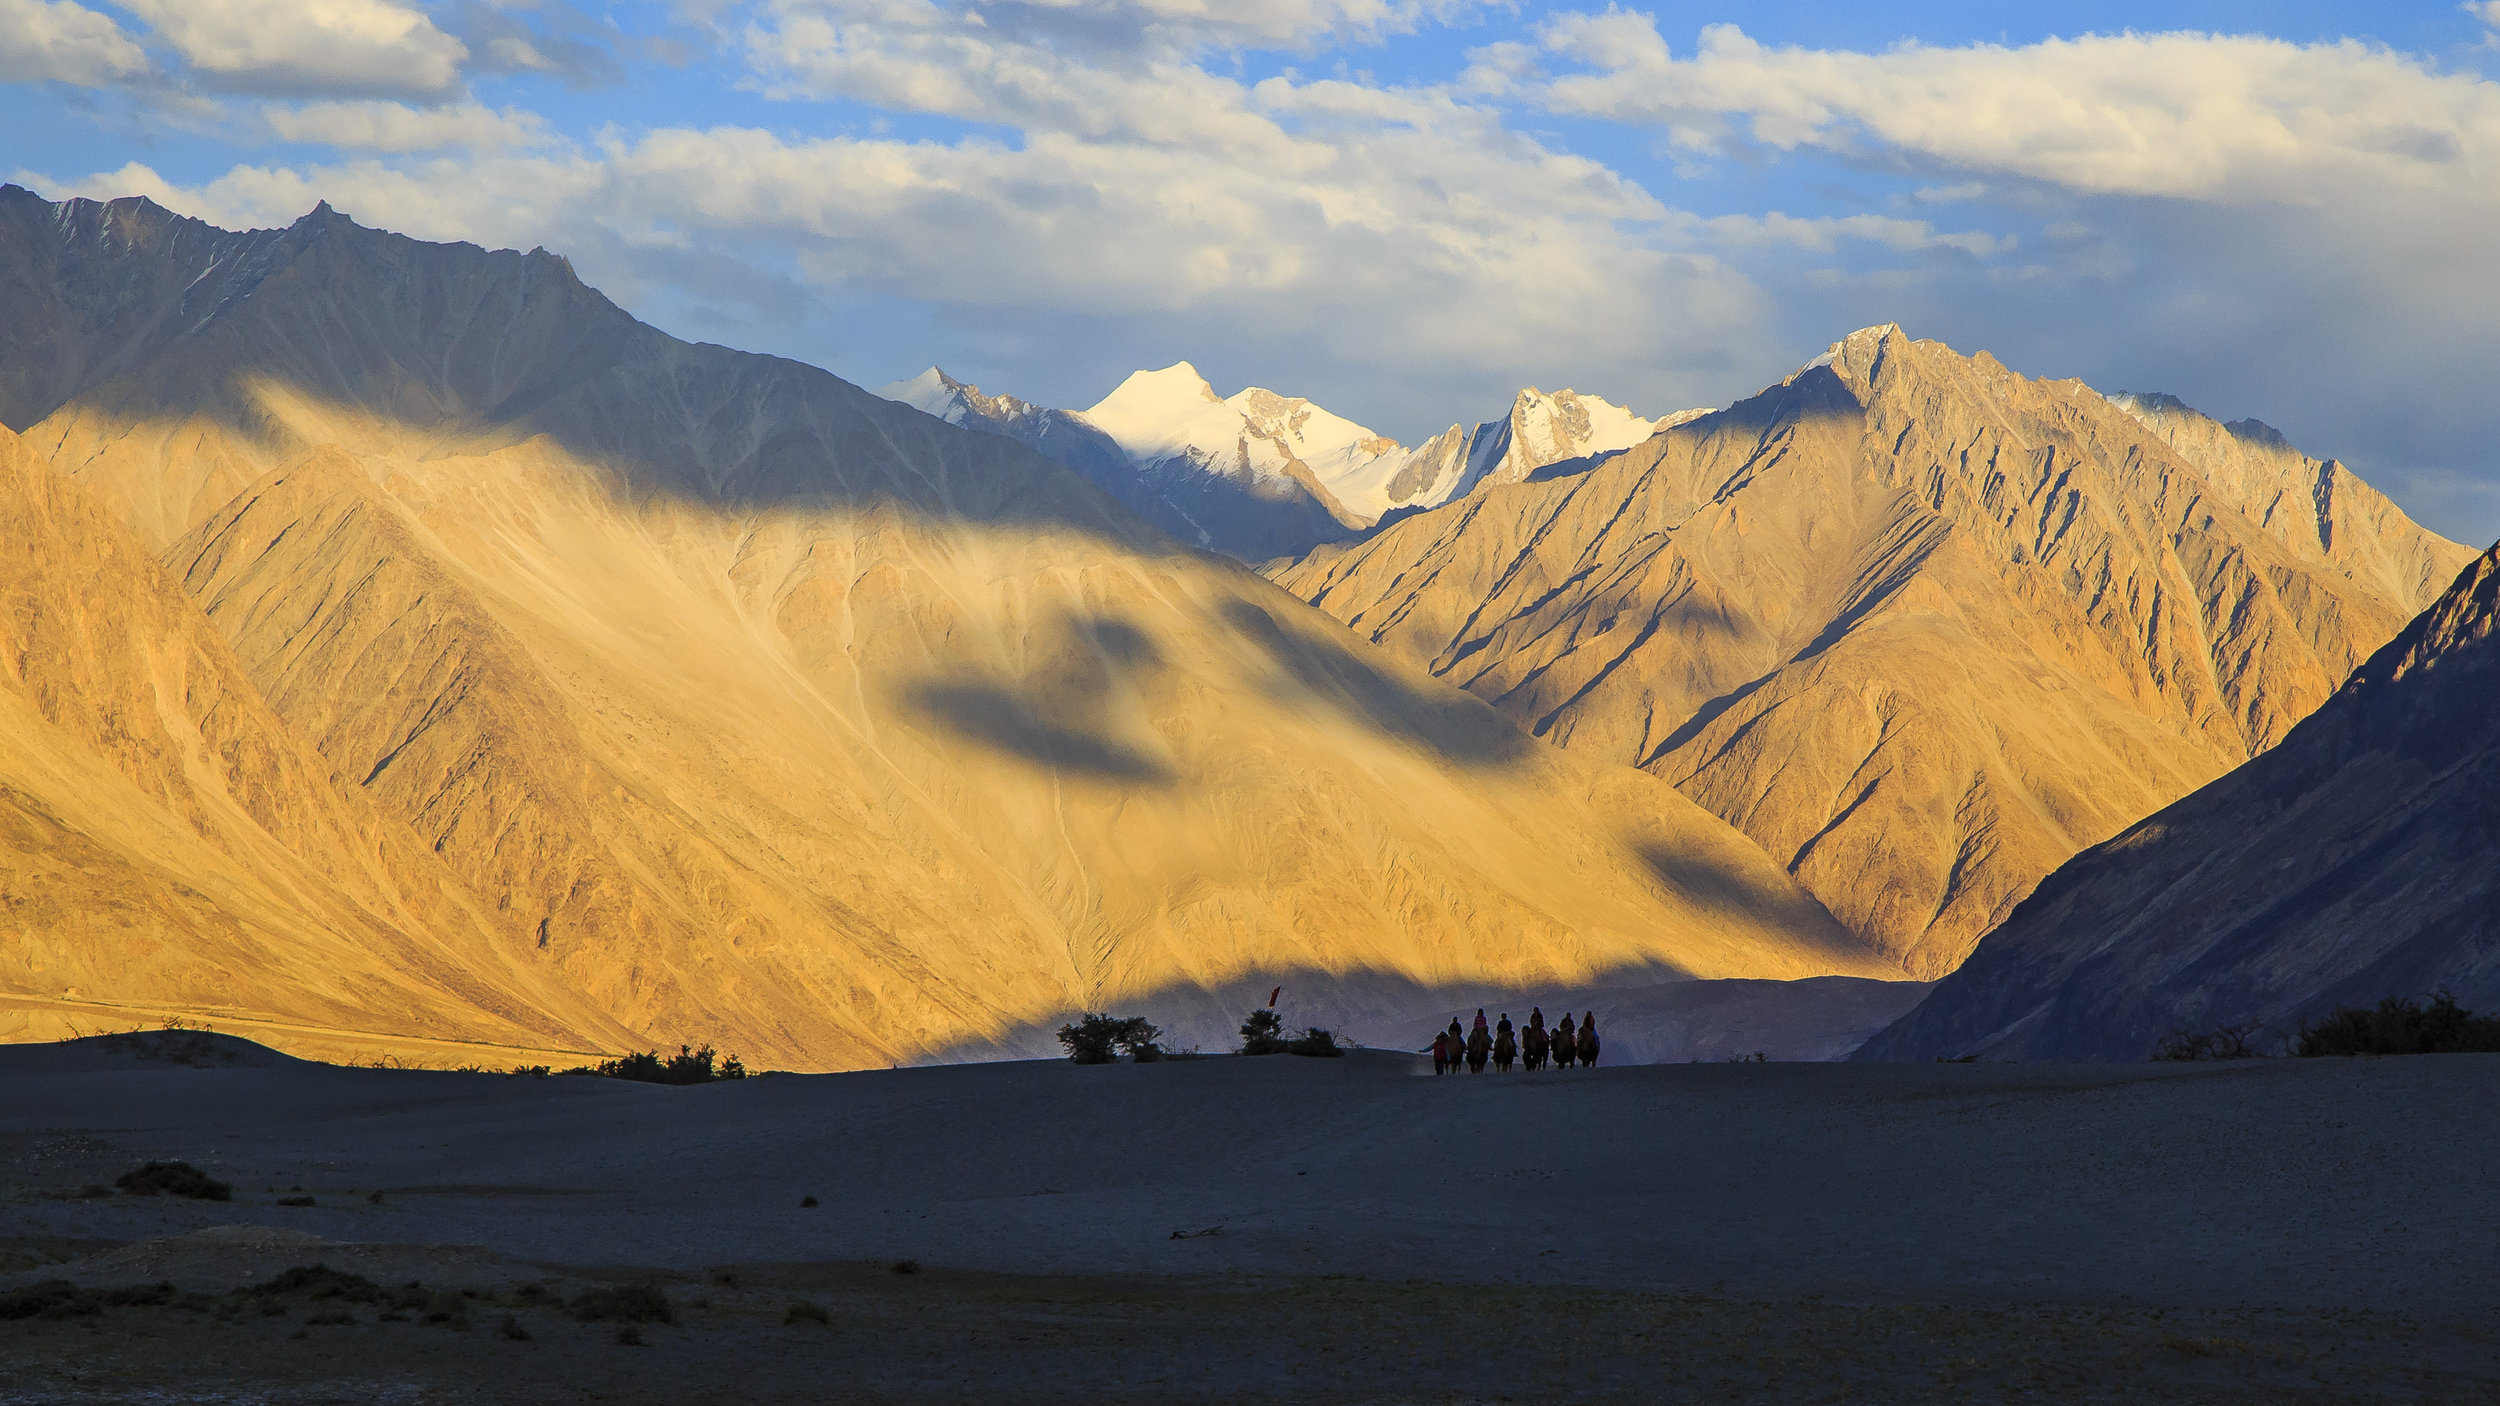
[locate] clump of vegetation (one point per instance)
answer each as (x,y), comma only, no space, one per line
(805,1312)
(1100,1038)
(318,1281)
(1263,1033)
(624,1303)
(807,1203)
(905,1266)
(2229,1042)
(58,1298)
(173,1179)
(510,1330)
(296,1201)
(2400,1025)
(1316,1042)
(629,1336)
(688,1066)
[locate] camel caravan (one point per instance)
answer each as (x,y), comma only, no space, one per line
(1501,1046)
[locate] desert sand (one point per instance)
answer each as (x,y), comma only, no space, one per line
(2312,1228)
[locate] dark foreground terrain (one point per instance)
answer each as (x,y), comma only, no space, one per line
(1272,1230)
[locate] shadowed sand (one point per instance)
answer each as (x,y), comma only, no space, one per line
(2294,1194)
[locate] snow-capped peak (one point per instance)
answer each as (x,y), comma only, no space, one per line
(932,391)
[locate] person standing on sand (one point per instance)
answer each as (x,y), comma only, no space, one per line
(1532,1041)
(1588,1039)
(1440,1052)
(1564,1047)
(1505,1045)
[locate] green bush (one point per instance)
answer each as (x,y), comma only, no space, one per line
(1263,1033)
(1100,1038)
(689,1065)
(173,1179)
(1318,1042)
(2400,1025)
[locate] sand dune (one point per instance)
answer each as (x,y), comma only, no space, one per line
(2147,1184)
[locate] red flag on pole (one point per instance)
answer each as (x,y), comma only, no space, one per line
(1272,995)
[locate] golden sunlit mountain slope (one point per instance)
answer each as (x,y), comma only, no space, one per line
(168,847)
(1921,626)
(2359,859)
(770,712)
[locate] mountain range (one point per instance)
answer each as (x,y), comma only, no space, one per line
(1258,475)
(579,687)
(1921,627)
(405,652)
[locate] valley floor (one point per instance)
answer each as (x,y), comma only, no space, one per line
(1275,1230)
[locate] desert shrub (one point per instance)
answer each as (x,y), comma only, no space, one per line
(1317,1042)
(510,1330)
(53,1298)
(1263,1033)
(690,1065)
(531,1071)
(409,1296)
(807,1203)
(141,1295)
(905,1266)
(1101,1037)
(2400,1025)
(173,1179)
(448,1307)
(804,1312)
(318,1281)
(2229,1042)
(624,1303)
(329,1318)
(629,1336)
(296,1201)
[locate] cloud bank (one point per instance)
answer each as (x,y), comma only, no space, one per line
(1049,193)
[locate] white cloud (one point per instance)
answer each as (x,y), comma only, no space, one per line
(2195,115)
(1097,29)
(1413,265)
(1825,232)
(64,42)
(375,125)
(310,47)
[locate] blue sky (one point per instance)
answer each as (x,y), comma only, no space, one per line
(1405,209)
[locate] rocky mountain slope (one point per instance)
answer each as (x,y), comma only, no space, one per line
(759,709)
(2359,859)
(1922,627)
(169,847)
